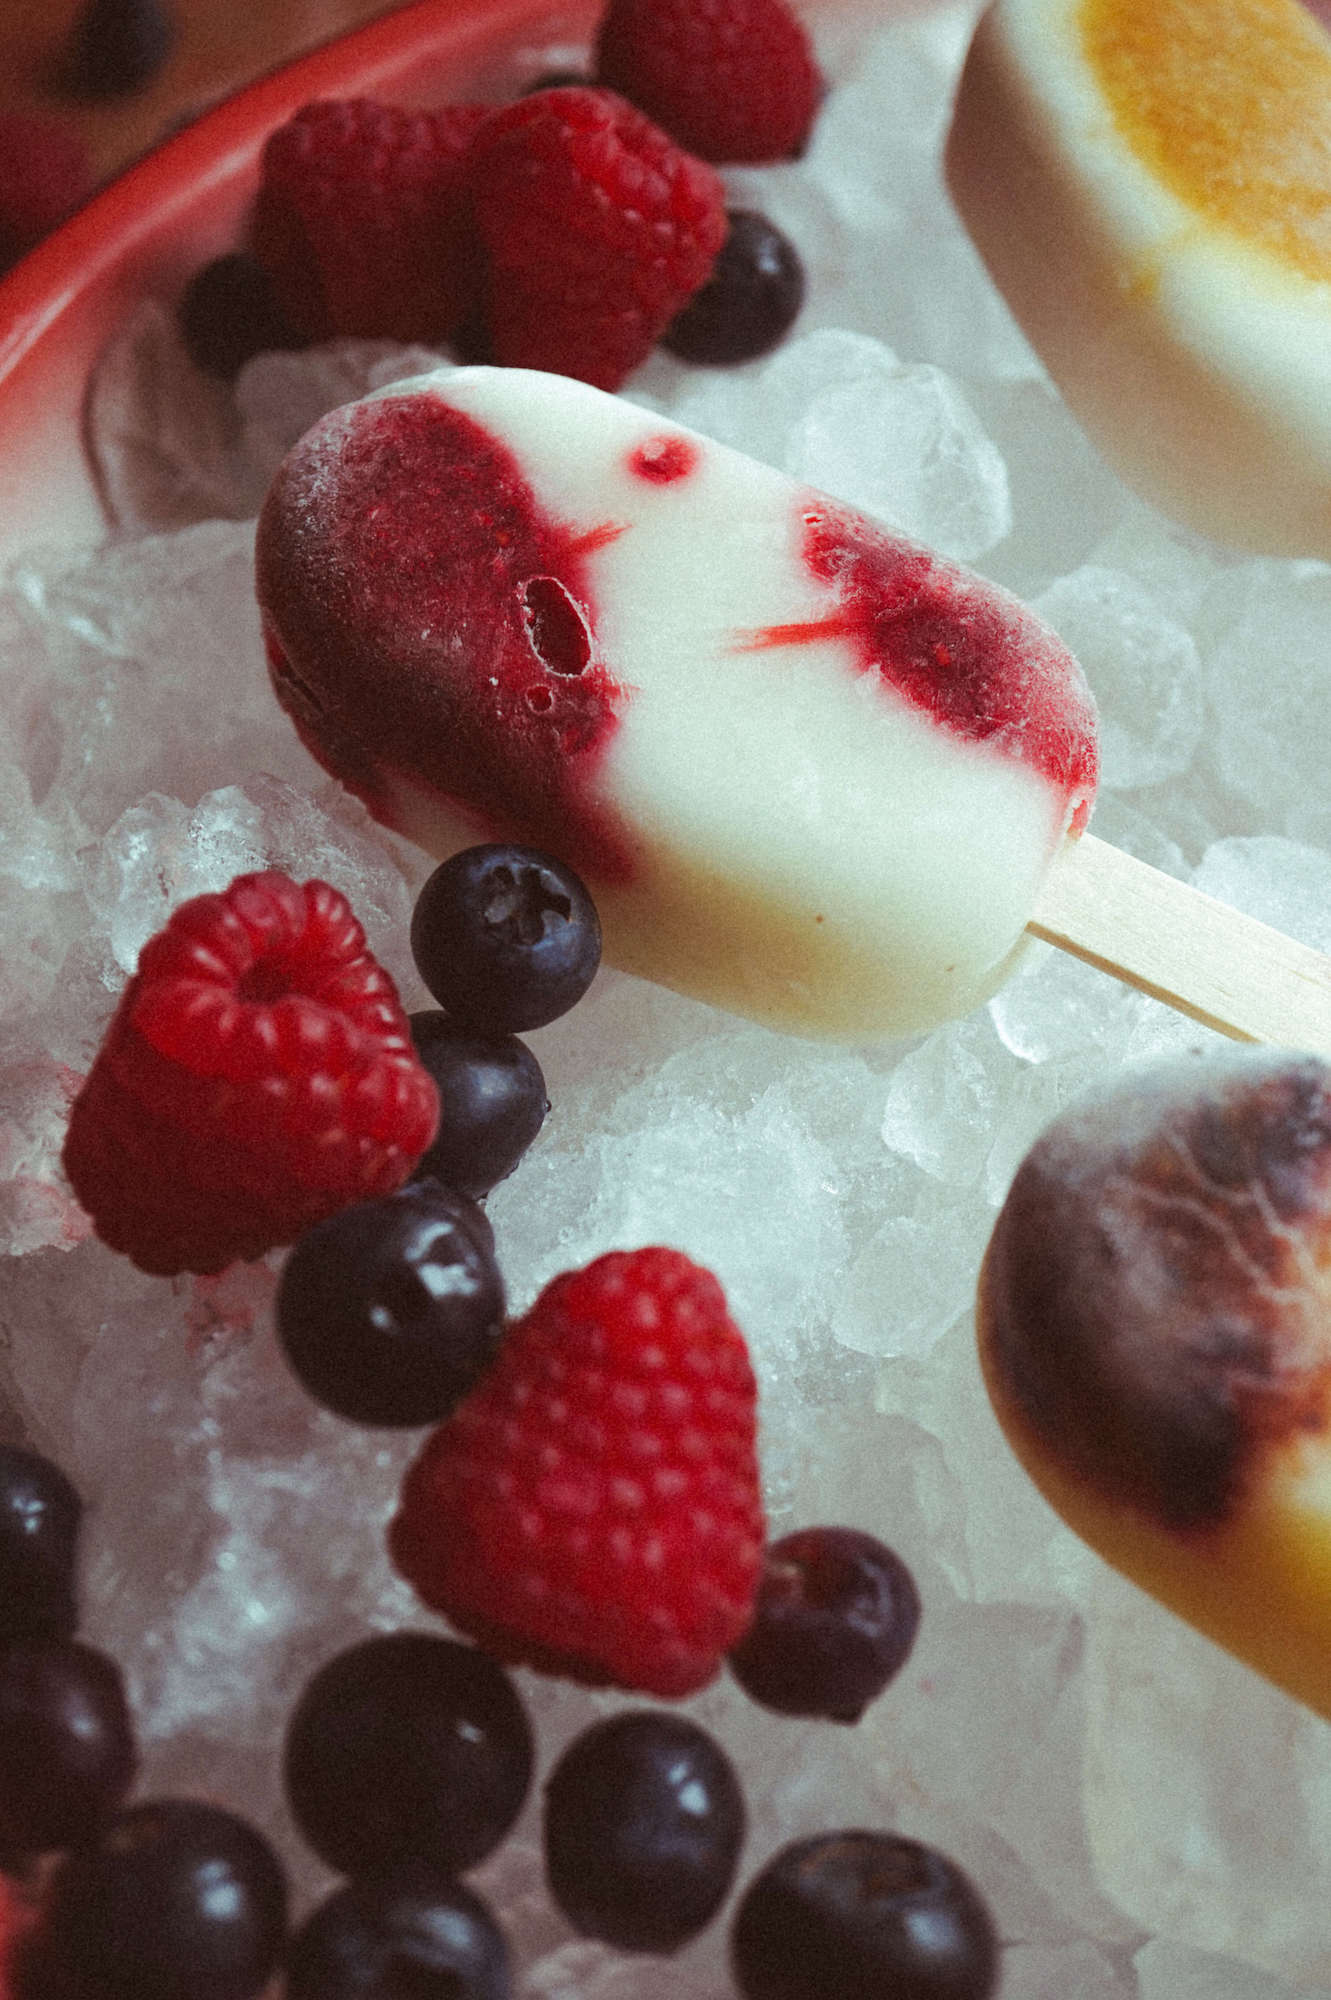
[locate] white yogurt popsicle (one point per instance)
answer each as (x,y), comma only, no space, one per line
(1150,187)
(810,771)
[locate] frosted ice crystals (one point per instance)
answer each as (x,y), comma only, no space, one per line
(1150,1823)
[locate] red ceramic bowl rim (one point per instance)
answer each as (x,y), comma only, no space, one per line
(184,202)
(224,140)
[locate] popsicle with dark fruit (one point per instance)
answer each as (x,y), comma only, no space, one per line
(1155,1332)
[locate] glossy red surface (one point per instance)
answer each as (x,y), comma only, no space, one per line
(185,202)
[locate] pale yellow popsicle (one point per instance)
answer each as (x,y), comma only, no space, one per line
(1155,1333)
(1150,186)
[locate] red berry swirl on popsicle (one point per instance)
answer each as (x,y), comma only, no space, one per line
(403,521)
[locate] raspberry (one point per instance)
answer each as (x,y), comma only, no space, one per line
(362,223)
(44,173)
(593,1508)
(729,79)
(598,231)
(18,1917)
(258,1075)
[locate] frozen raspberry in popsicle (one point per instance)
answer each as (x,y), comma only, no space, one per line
(1155,1330)
(809,771)
(1149,187)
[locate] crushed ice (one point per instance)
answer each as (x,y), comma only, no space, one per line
(1147,1818)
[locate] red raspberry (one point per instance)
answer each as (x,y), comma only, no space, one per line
(729,79)
(257,1076)
(18,1919)
(598,228)
(361,221)
(593,1507)
(44,173)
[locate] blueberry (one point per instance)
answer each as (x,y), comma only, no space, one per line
(492,1102)
(177,1901)
(407,1748)
(391,1310)
(644,1817)
(860,1916)
(118,46)
(67,1754)
(836,1616)
(229,313)
(411,1932)
(472,1215)
(39,1527)
(750,300)
(505,938)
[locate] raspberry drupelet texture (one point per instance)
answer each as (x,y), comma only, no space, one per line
(733,80)
(593,1508)
(257,1076)
(597,228)
(362,223)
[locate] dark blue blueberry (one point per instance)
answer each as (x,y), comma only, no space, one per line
(836,1616)
(229,313)
(410,1933)
(861,1916)
(118,46)
(492,1102)
(391,1310)
(749,302)
(67,1753)
(39,1526)
(506,938)
(407,1748)
(177,1901)
(644,1818)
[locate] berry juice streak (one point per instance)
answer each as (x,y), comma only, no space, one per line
(961,654)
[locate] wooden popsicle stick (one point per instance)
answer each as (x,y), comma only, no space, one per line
(1196,954)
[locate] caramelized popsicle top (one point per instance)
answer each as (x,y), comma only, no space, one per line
(1230,108)
(1156,1302)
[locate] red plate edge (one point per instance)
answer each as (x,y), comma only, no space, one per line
(182,203)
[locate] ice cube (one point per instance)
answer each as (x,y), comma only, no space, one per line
(1269,689)
(1098,1770)
(278,396)
(37,1211)
(1143,666)
(1206,1791)
(165,439)
(160,852)
(757,408)
(1167,1971)
(1284,882)
(1065,500)
(1077,1971)
(908,447)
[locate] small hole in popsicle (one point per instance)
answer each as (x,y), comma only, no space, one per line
(555,626)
